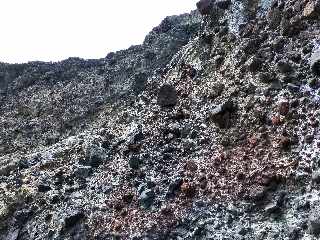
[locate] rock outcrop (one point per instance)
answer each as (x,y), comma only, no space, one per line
(208,130)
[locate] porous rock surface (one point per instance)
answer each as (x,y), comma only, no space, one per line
(208,130)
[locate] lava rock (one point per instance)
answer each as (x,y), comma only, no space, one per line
(134,162)
(221,114)
(266,77)
(167,96)
(284,67)
(44,188)
(316,177)
(312,9)
(314,219)
(254,64)
(83,171)
(73,219)
(315,62)
(174,187)
(205,6)
(274,18)
(95,156)
(284,108)
(223,4)
(147,197)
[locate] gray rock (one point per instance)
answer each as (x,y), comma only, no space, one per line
(134,162)
(73,218)
(314,219)
(316,177)
(167,96)
(146,198)
(83,171)
(315,62)
(221,114)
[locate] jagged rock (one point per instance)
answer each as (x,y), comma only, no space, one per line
(315,62)
(274,17)
(73,218)
(205,6)
(316,177)
(44,188)
(223,4)
(147,197)
(83,171)
(312,9)
(254,64)
(221,114)
(314,219)
(167,96)
(134,162)
(284,67)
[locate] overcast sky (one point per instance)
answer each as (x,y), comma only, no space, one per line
(52,30)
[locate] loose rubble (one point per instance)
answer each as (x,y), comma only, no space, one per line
(208,130)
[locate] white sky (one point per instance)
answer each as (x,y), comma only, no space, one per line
(52,30)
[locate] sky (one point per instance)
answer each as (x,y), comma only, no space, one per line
(53,30)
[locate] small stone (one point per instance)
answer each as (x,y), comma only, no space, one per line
(276,120)
(266,77)
(221,114)
(167,96)
(271,208)
(274,18)
(174,186)
(309,139)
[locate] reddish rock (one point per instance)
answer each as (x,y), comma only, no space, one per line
(276,120)
(188,189)
(284,142)
(284,108)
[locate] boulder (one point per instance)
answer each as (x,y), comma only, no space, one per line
(167,96)
(205,6)
(314,219)
(220,115)
(315,62)
(146,198)
(223,4)
(312,9)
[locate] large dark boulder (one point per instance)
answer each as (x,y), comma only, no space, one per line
(205,6)
(167,96)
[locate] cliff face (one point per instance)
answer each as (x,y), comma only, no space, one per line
(208,130)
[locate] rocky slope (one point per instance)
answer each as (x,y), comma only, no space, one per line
(208,130)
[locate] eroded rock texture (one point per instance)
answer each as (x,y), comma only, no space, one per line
(208,130)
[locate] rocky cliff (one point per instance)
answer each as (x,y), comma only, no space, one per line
(208,130)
